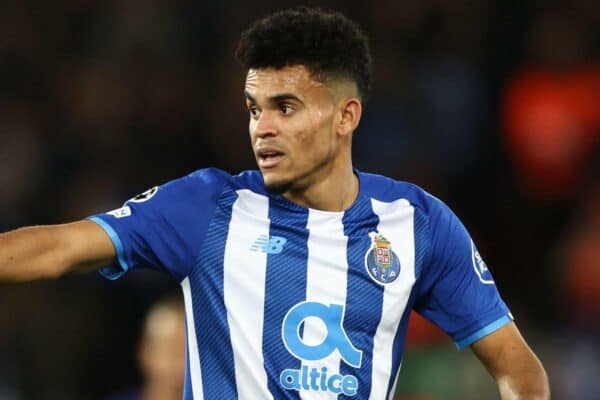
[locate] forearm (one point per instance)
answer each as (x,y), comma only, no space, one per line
(30,253)
(518,372)
(525,384)
(524,377)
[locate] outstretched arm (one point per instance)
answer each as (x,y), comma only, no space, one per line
(50,251)
(516,369)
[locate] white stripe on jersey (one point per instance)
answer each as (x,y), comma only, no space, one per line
(396,223)
(326,283)
(194,356)
(244,292)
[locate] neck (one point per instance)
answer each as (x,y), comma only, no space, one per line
(160,392)
(337,191)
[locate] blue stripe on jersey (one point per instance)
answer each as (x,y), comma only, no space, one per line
(422,245)
(420,227)
(210,315)
(364,299)
(285,287)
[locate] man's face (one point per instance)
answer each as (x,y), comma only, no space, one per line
(162,350)
(292,126)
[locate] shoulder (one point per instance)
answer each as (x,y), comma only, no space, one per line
(201,184)
(207,177)
(213,181)
(203,187)
(430,212)
(250,180)
(386,189)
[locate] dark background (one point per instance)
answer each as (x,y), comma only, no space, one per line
(493,106)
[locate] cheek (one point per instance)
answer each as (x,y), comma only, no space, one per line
(308,139)
(311,146)
(317,136)
(252,128)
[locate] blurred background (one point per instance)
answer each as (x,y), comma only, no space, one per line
(494,106)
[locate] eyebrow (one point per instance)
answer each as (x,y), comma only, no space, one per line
(279,98)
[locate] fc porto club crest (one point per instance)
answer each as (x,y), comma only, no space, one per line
(381,262)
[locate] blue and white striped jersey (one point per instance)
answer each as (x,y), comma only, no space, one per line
(285,302)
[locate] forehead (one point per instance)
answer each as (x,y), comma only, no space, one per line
(292,79)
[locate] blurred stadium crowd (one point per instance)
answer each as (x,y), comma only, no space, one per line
(494,106)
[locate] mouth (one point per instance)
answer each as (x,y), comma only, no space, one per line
(268,158)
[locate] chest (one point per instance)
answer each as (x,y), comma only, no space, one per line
(277,258)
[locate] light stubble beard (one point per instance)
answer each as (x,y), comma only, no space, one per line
(278,188)
(295,184)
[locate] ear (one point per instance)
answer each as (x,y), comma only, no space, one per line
(350,112)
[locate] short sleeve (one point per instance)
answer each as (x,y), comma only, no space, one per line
(164,227)
(456,290)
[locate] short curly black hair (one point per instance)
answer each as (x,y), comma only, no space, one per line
(329,44)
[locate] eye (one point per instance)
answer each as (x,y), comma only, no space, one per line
(253,110)
(286,109)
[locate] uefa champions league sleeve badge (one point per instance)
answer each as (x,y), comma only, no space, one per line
(381,262)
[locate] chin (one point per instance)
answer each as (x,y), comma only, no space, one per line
(277,186)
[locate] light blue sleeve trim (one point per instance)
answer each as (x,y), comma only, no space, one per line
(112,272)
(494,326)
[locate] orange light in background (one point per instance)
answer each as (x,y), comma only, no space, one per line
(421,332)
(552,120)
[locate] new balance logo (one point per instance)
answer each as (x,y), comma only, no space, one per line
(269,245)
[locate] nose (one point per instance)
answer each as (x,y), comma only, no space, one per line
(264,126)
